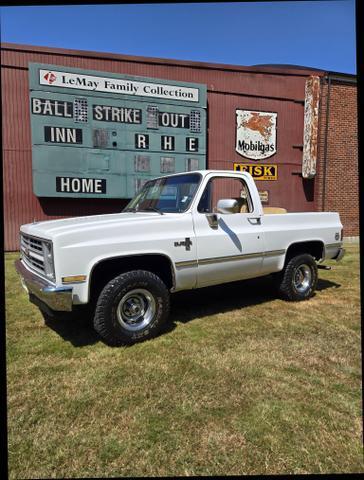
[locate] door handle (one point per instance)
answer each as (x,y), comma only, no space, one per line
(254,220)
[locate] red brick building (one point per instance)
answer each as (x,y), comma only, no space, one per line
(338,185)
(281,91)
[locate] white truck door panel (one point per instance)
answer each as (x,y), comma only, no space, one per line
(233,249)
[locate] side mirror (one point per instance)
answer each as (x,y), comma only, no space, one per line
(227,205)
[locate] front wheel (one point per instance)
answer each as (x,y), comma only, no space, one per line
(131,307)
(298,280)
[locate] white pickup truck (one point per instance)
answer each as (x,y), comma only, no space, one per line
(182,231)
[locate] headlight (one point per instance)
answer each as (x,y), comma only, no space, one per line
(48,260)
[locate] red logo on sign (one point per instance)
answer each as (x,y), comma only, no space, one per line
(50,77)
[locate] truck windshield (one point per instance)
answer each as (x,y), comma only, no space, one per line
(169,194)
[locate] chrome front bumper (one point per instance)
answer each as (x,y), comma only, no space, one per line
(56,298)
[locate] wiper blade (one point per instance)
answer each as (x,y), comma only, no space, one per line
(154,209)
(131,210)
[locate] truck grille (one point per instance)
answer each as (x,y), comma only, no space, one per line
(32,253)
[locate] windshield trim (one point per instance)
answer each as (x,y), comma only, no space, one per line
(198,184)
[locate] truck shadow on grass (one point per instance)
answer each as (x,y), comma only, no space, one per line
(185,306)
(74,328)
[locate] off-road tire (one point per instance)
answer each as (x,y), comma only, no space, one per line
(299,267)
(109,321)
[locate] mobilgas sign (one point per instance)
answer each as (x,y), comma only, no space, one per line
(256,134)
(98,134)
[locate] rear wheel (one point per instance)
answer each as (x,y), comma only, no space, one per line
(298,280)
(132,307)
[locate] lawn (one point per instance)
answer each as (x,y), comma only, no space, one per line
(240,383)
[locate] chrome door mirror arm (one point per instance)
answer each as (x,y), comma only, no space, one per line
(212,218)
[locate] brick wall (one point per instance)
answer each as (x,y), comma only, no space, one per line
(337,185)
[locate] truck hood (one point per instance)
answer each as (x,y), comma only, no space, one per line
(50,229)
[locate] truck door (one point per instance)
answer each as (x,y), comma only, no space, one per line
(229,245)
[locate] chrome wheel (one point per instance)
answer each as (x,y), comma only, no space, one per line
(302,278)
(136,309)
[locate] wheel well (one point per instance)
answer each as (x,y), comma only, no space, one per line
(314,248)
(110,268)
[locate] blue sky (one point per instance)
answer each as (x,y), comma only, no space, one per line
(315,33)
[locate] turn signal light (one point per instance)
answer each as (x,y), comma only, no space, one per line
(74,279)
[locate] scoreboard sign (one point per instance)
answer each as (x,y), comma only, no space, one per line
(103,135)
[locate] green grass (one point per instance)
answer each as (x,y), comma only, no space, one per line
(241,383)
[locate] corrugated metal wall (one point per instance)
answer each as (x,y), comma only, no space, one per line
(229,88)
(289,191)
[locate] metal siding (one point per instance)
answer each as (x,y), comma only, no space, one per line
(228,88)
(258,84)
(86,54)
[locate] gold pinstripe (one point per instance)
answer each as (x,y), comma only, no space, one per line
(229,258)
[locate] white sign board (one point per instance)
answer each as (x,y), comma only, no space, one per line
(256,134)
(79,81)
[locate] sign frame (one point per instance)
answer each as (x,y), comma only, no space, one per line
(250,169)
(98,74)
(262,157)
(72,146)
